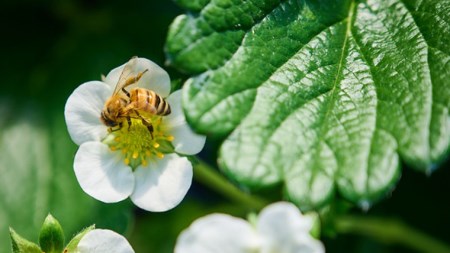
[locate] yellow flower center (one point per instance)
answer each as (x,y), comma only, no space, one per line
(139,143)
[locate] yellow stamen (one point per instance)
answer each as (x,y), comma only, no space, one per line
(137,145)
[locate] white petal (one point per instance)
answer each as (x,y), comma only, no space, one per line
(155,79)
(283,215)
(104,241)
(185,140)
(176,116)
(102,174)
(83,109)
(162,184)
(301,244)
(113,76)
(283,228)
(218,233)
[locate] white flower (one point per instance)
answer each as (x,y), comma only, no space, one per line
(280,228)
(130,162)
(103,241)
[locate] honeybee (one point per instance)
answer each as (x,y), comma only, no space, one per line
(138,103)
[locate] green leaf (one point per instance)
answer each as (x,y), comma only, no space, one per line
(36,164)
(323,97)
(73,244)
(21,245)
(51,237)
(194,5)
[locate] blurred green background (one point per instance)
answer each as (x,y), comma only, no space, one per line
(48,48)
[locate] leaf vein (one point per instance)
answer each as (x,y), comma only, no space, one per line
(321,134)
(276,68)
(278,125)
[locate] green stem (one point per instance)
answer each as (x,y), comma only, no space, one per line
(390,231)
(210,177)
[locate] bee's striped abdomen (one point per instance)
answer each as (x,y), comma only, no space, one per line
(149,101)
(161,105)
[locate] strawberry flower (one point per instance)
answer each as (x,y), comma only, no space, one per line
(279,228)
(103,241)
(112,165)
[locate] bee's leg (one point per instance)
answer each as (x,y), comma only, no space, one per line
(146,123)
(126,92)
(149,127)
(115,128)
(139,75)
(129,122)
(135,79)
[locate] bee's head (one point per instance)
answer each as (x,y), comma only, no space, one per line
(111,111)
(105,118)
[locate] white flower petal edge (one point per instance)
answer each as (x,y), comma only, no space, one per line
(104,241)
(156,78)
(83,109)
(218,233)
(185,140)
(162,184)
(282,227)
(176,117)
(102,174)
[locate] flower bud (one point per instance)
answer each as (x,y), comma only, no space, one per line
(51,237)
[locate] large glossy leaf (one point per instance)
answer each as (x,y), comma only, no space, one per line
(320,96)
(37,178)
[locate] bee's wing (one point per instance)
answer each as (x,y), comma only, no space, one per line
(128,70)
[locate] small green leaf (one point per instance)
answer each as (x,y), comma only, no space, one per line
(252,219)
(21,245)
(51,237)
(322,97)
(73,244)
(315,230)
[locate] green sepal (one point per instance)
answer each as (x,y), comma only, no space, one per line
(51,237)
(21,245)
(315,229)
(252,219)
(73,244)
(166,147)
